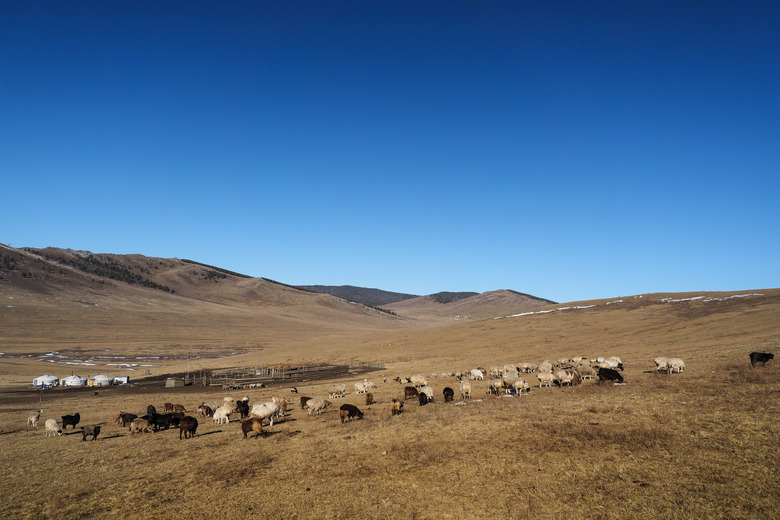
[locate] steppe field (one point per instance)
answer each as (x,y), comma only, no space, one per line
(700,444)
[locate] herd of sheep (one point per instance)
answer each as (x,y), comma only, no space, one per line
(507,379)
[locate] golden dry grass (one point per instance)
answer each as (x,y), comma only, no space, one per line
(699,444)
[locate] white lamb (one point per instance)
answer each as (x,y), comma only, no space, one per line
(223,413)
(52,427)
(419,381)
(476,375)
(360,388)
(661,364)
(675,365)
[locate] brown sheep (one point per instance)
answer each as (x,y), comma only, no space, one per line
(348,411)
(167,407)
(187,426)
(179,408)
(93,430)
(369,398)
(410,392)
(139,425)
(396,406)
(253,424)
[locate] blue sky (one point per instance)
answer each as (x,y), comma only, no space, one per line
(571,150)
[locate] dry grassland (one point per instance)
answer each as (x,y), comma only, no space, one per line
(699,444)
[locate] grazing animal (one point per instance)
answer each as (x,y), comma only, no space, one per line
(661,364)
(410,392)
(52,427)
(282,402)
(317,405)
(242,407)
(150,410)
(336,391)
(418,381)
(294,390)
(360,388)
(545,379)
(477,375)
(187,427)
(267,411)
(428,391)
(161,420)
(495,386)
(449,394)
(33,418)
(253,424)
(369,398)
(222,414)
(564,377)
(93,430)
(139,425)
(609,374)
(205,411)
(760,357)
(179,408)
(304,400)
(167,407)
(396,406)
(348,411)
(73,420)
(465,389)
(423,398)
(124,418)
(675,365)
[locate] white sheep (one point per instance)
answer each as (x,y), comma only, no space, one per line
(476,374)
(546,367)
(465,389)
(428,391)
(527,367)
(495,386)
(519,385)
(545,379)
(419,381)
(370,385)
(52,427)
(586,372)
(496,372)
(661,363)
(316,405)
(33,418)
(223,413)
(335,391)
(268,411)
(564,377)
(675,365)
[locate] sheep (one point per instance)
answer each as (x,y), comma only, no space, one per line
(477,375)
(496,372)
(510,368)
(335,391)
(519,384)
(304,400)
(410,391)
(205,411)
(139,425)
(449,394)
(167,407)
(150,410)
(465,389)
(348,411)
(179,408)
(93,430)
(675,365)
(495,386)
(242,407)
(586,372)
(73,420)
(418,381)
(222,413)
(546,367)
(616,362)
(33,418)
(661,363)
(428,391)
(369,398)
(370,385)
(317,405)
(564,377)
(51,426)
(528,367)
(360,388)
(396,406)
(187,427)
(545,379)
(253,424)
(423,398)
(268,411)
(124,418)
(282,402)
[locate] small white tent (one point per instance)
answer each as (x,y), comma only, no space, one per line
(74,381)
(47,380)
(100,381)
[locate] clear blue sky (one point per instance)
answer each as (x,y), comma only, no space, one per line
(570,150)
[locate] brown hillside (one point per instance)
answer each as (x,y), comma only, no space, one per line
(485,305)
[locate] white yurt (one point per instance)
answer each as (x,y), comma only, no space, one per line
(74,381)
(100,380)
(47,380)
